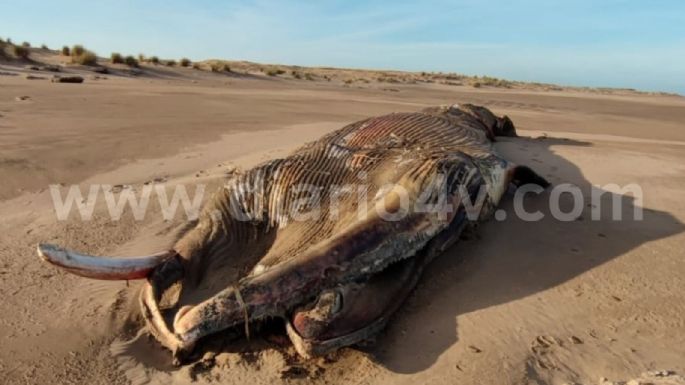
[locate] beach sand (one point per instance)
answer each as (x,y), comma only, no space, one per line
(544,302)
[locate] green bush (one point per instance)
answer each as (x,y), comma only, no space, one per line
(170,63)
(66,51)
(20,51)
(185,62)
(116,58)
(154,60)
(131,61)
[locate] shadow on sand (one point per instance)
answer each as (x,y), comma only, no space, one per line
(513,259)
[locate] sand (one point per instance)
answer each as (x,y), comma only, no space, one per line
(543,302)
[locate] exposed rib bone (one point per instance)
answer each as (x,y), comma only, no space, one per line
(106,268)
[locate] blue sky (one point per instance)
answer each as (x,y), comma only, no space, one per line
(638,44)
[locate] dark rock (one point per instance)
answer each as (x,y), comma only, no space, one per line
(51,68)
(67,79)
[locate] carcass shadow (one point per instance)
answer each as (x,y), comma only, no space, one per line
(513,259)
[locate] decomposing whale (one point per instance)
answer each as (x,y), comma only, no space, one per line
(338,232)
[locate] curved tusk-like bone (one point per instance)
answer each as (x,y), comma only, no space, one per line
(108,268)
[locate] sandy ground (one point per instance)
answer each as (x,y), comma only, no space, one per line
(548,302)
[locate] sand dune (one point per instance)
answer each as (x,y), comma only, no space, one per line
(546,302)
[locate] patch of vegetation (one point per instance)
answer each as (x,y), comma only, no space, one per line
(43,46)
(20,51)
(77,50)
(185,62)
(170,63)
(196,66)
(220,67)
(154,60)
(387,79)
(66,51)
(309,76)
(131,61)
(296,74)
(116,58)
(26,44)
(141,58)
(80,55)
(493,82)
(476,85)
(275,72)
(452,76)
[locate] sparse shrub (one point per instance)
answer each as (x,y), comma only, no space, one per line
(170,63)
(227,68)
(296,74)
(131,61)
(66,51)
(216,67)
(185,62)
(476,85)
(86,58)
(20,51)
(80,55)
(26,44)
(77,50)
(275,72)
(43,46)
(154,60)
(141,58)
(9,41)
(116,58)
(495,82)
(309,76)
(196,66)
